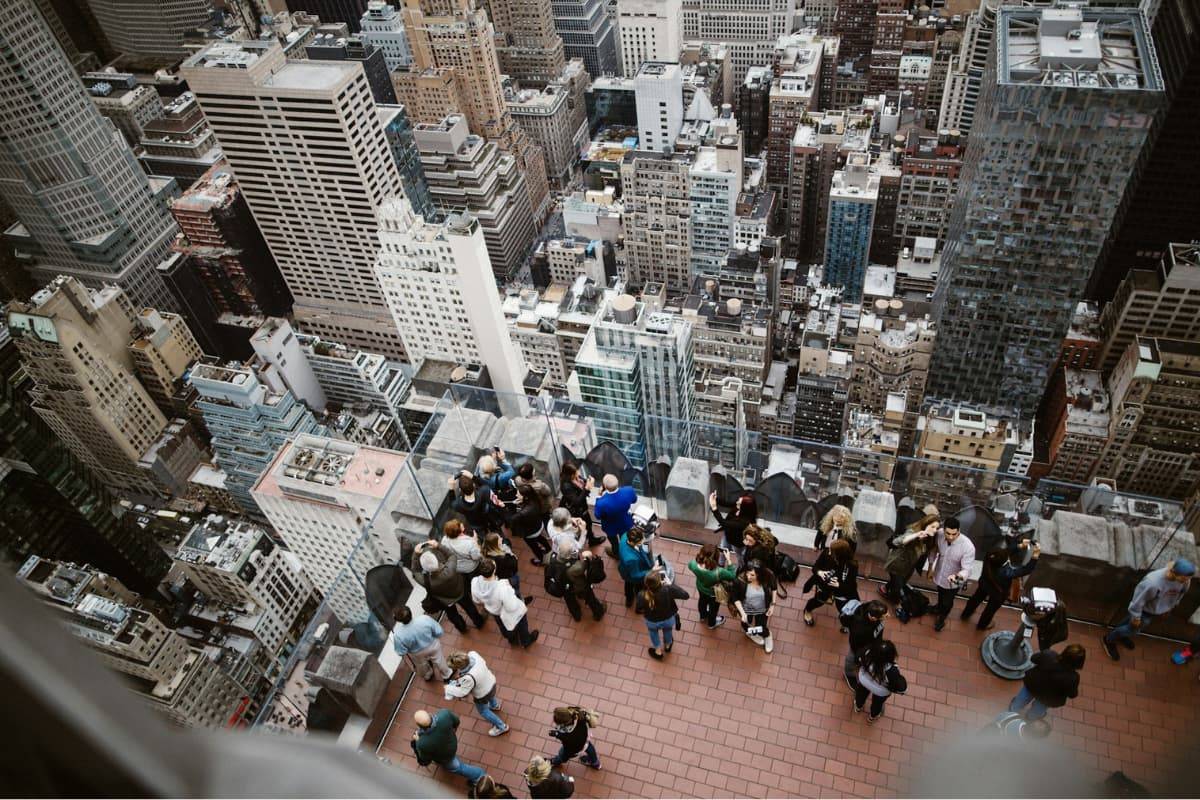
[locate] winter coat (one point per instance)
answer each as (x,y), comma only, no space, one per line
(500,599)
(664,603)
(732,527)
(527,522)
(612,510)
(846,575)
(446,586)
(476,681)
(466,547)
(545,495)
(575,499)
(480,513)
(438,743)
(556,785)
(863,630)
(1051,682)
(633,563)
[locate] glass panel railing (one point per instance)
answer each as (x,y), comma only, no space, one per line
(1096,543)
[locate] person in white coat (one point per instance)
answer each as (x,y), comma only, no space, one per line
(500,600)
(473,679)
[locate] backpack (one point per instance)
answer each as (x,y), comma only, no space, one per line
(912,604)
(846,615)
(786,568)
(595,570)
(556,577)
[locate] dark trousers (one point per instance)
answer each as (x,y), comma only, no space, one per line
(615,543)
(589,755)
(709,608)
(631,590)
(538,545)
(994,598)
(860,697)
(456,618)
(519,635)
(945,602)
(588,596)
(895,587)
(591,534)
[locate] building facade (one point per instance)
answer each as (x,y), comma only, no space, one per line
(998,338)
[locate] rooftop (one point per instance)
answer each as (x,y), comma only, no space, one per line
(310,464)
(1075,47)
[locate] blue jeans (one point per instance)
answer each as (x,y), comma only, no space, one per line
(1125,629)
(460,767)
(589,755)
(667,626)
(487,710)
(1025,698)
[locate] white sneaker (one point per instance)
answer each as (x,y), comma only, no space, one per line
(769,644)
(498,731)
(758,640)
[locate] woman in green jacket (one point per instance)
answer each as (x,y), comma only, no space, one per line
(705,566)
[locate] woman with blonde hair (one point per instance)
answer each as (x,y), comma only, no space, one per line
(546,782)
(572,724)
(838,523)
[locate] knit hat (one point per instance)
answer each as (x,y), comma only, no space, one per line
(1183,567)
(429,562)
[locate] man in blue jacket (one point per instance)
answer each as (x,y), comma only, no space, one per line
(635,563)
(612,509)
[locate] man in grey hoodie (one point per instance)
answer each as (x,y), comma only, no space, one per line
(1157,594)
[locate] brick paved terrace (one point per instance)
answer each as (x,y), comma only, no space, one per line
(721,718)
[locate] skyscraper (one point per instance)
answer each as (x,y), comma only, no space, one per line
(331,502)
(454,40)
(649,31)
(438,281)
(527,44)
(54,505)
(964,81)
(383,26)
(853,197)
(75,346)
(638,361)
(85,207)
(749,30)
(465,171)
(249,421)
(149,28)
(314,163)
(1066,108)
(589,34)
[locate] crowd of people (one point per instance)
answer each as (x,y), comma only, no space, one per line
(473,569)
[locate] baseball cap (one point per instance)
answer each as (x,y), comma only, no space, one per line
(1183,567)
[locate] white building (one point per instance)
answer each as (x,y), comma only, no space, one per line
(747,30)
(314,164)
(439,285)
(658,92)
(383,26)
(249,583)
(715,183)
(649,31)
(331,502)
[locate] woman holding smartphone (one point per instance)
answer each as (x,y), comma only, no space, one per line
(708,571)
(754,599)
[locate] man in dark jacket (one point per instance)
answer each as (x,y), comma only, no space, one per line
(435,742)
(579,587)
(865,627)
(1053,681)
(434,566)
(634,561)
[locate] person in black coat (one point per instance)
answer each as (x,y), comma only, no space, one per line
(865,628)
(834,577)
(732,527)
(572,725)
(1053,681)
(544,781)
(656,602)
(527,523)
(995,581)
(878,678)
(474,502)
(575,494)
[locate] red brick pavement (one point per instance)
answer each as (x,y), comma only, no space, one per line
(721,718)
